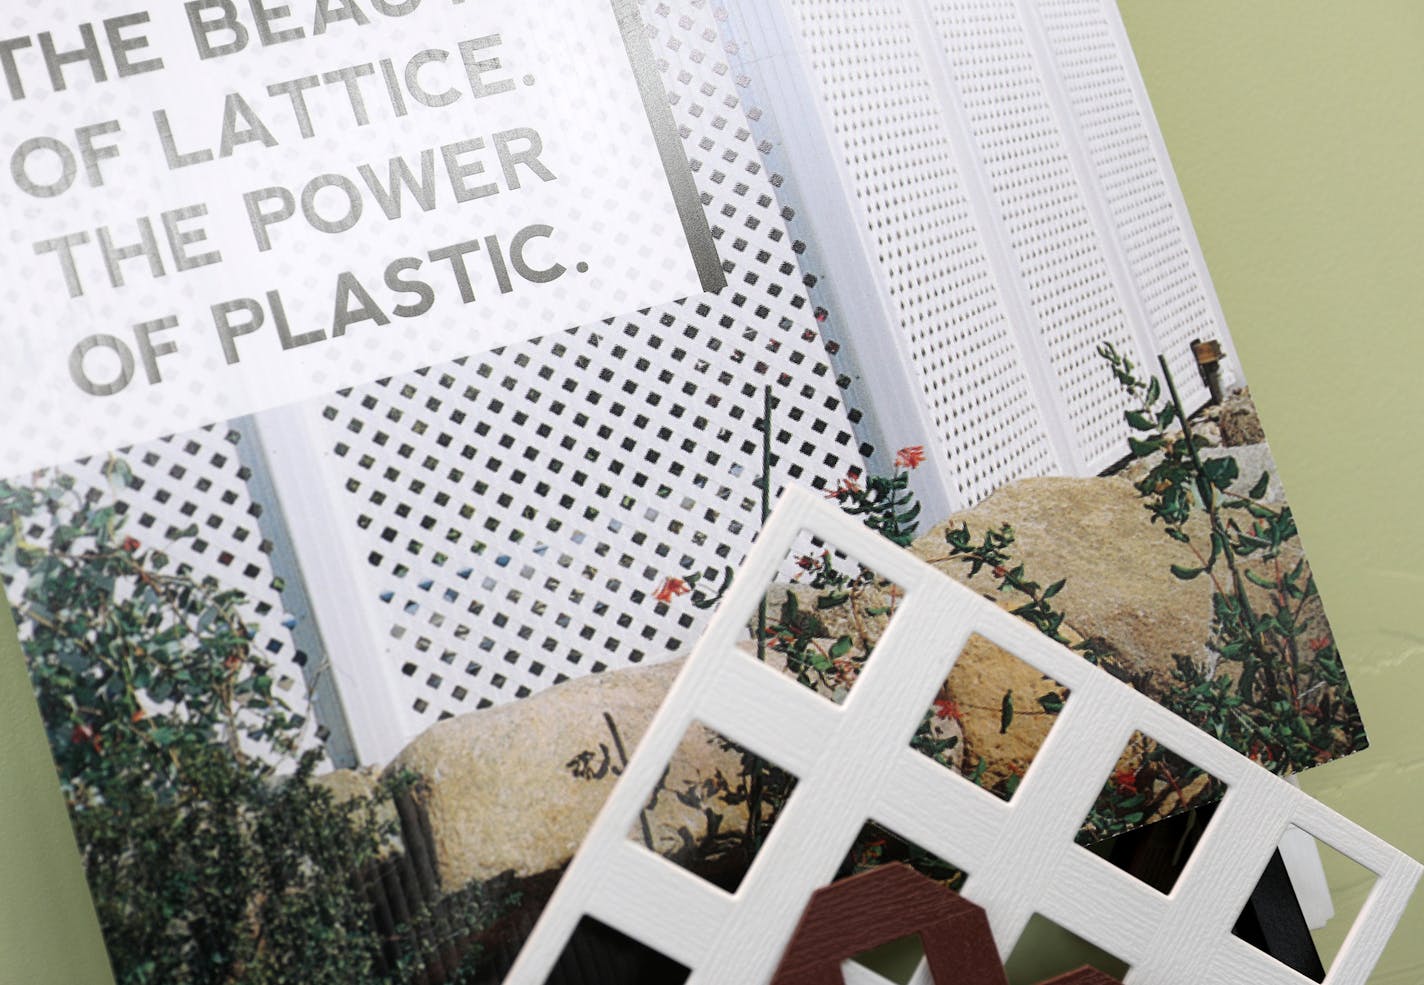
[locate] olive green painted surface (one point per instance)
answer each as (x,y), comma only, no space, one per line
(1297,131)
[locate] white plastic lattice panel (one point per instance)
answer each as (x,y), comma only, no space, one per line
(854,762)
(930,250)
(513,514)
(1060,252)
(199,482)
(1114,119)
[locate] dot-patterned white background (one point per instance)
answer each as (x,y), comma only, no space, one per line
(610,206)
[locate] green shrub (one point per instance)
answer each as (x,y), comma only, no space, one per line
(206,865)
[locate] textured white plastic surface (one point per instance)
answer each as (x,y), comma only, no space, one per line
(854,762)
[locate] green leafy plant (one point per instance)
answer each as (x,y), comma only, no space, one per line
(213,852)
(1275,692)
(1155,783)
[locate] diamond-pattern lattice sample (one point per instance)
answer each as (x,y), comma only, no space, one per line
(517,512)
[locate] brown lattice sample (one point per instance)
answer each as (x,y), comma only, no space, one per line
(855,915)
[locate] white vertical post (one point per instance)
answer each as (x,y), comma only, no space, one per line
(366,682)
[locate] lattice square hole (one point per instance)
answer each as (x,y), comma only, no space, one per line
(990,717)
(824,616)
(1332,893)
(598,953)
(1046,950)
(1150,783)
(874,846)
(713,808)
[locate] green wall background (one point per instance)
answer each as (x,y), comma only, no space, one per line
(1297,131)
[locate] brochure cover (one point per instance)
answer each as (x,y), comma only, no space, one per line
(397,385)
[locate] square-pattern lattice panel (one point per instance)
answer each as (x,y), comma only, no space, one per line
(953,325)
(854,762)
(514,513)
(1021,148)
(1113,119)
(1016,204)
(190,497)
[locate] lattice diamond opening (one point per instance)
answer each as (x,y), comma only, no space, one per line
(1149,783)
(1047,950)
(713,808)
(1347,880)
(824,617)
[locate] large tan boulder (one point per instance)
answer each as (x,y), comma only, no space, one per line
(1096,534)
(983,678)
(516,787)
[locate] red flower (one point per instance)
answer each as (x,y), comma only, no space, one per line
(1320,643)
(848,486)
(83,733)
(670,588)
(1125,780)
(806,562)
(131,545)
(910,457)
(1000,571)
(947,708)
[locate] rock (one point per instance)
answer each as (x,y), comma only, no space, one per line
(1238,421)
(1096,534)
(977,685)
(514,788)
(1252,460)
(350,784)
(361,784)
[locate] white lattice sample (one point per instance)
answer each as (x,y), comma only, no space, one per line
(854,762)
